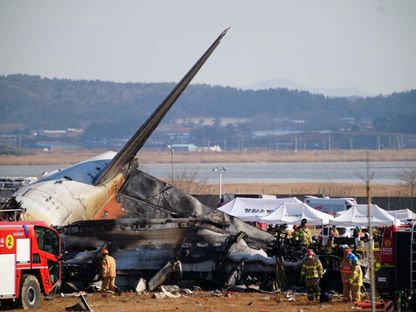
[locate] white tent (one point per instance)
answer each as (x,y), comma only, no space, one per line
(403,214)
(358,216)
(292,213)
(338,213)
(252,209)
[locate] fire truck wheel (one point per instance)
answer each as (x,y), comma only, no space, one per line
(30,295)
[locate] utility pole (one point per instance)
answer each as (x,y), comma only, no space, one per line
(370,232)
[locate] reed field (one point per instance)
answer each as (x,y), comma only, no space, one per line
(324,189)
(164,156)
(278,156)
(198,187)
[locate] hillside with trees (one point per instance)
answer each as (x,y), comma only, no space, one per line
(108,109)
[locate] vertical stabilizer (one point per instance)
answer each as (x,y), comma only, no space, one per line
(129,151)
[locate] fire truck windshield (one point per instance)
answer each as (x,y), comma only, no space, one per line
(48,240)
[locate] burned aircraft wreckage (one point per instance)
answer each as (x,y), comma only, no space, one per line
(165,225)
(191,244)
(150,226)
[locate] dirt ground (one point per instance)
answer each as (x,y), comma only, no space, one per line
(199,301)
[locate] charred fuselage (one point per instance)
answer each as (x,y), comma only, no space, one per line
(164,224)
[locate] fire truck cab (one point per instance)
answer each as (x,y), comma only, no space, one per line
(30,254)
(398,261)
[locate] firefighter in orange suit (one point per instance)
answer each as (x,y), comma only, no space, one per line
(346,269)
(108,271)
(356,280)
(311,272)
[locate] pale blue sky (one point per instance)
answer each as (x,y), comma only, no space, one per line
(368,44)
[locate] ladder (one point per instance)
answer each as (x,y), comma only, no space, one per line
(413,257)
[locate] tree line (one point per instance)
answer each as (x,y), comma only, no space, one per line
(111,109)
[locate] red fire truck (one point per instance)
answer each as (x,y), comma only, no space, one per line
(30,254)
(397,273)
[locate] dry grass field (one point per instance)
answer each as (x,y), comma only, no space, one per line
(328,189)
(195,187)
(164,156)
(279,156)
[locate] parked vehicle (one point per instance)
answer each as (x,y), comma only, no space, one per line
(30,254)
(342,230)
(330,205)
(230,197)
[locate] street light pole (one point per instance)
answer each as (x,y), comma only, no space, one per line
(171,162)
(220,170)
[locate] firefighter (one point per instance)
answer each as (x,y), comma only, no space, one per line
(284,231)
(311,272)
(356,280)
(287,231)
(333,232)
(365,242)
(346,269)
(108,271)
(295,234)
(330,246)
(305,237)
(357,237)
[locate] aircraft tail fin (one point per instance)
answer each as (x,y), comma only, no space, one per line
(136,142)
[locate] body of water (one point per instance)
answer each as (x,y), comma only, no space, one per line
(339,172)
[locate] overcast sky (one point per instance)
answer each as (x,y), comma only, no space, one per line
(368,44)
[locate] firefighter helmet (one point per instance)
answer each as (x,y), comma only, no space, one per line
(352,258)
(309,252)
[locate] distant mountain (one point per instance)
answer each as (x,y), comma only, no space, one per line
(280,83)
